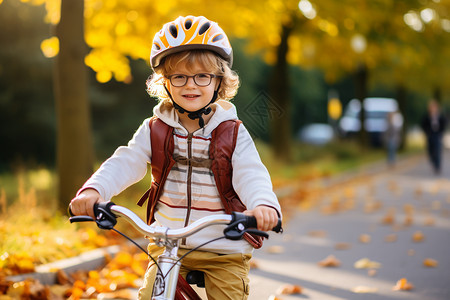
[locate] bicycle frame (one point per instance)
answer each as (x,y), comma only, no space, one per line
(165,285)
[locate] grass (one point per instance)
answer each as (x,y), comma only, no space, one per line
(29,221)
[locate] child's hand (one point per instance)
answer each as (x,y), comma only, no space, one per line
(266,217)
(83,204)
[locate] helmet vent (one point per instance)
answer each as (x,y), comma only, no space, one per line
(218,38)
(204,27)
(188,24)
(173,30)
(156,46)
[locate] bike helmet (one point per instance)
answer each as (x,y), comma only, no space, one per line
(187,33)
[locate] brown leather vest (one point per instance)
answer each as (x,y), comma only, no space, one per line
(221,151)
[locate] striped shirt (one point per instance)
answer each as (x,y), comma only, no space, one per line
(190,191)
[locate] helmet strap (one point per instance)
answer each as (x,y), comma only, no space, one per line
(198,114)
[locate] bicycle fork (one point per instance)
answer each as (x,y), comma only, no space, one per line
(167,275)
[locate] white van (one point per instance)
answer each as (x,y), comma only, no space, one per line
(376,111)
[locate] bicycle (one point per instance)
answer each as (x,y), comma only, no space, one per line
(169,285)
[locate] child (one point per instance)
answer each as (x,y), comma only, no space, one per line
(191,58)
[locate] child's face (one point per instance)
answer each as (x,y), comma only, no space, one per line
(191,96)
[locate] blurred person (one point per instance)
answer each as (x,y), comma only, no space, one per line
(203,159)
(433,125)
(392,135)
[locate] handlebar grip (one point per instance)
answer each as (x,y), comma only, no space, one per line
(74,219)
(251,222)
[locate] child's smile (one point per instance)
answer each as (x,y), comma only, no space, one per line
(191,96)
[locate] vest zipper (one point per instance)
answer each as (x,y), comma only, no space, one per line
(189,184)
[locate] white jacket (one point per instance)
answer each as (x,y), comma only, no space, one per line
(190,193)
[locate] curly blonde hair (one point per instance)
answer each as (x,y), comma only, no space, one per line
(205,58)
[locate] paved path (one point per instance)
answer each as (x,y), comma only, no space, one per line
(410,196)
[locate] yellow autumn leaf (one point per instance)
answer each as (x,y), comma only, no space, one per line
(342,246)
(329,261)
(429,262)
(389,217)
(418,236)
(365,263)
(364,238)
(289,289)
(403,285)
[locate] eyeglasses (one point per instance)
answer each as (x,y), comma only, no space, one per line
(201,79)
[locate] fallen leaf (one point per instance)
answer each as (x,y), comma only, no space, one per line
(4,284)
(58,290)
(365,263)
(418,236)
(364,238)
(403,285)
(273,297)
(342,246)
(329,261)
(62,278)
(364,290)
(289,289)
(430,263)
(372,272)
(389,217)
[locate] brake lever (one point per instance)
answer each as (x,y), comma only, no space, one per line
(105,218)
(236,230)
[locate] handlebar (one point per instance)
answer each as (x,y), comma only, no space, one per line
(238,223)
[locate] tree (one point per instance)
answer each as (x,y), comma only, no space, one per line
(74,142)
(339,37)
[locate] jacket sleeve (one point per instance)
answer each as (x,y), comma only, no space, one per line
(251,180)
(125,167)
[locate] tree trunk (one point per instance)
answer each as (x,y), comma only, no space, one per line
(74,141)
(280,93)
(360,94)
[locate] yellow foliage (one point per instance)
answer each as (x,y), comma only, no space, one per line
(126,27)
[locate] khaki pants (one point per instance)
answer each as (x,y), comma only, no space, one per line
(226,275)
